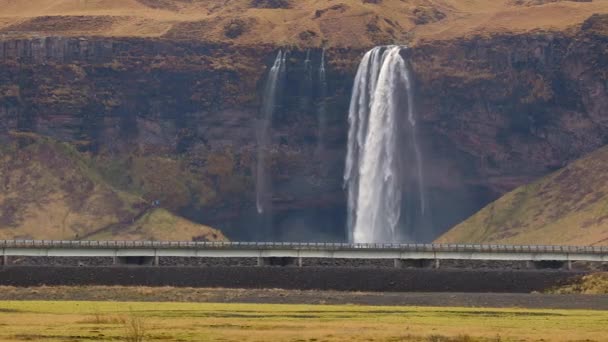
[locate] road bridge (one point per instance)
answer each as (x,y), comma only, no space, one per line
(150,252)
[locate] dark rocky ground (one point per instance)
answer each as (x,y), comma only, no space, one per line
(304,278)
(278,296)
(308,262)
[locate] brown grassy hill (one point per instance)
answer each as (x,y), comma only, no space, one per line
(158,224)
(291,22)
(568,207)
(48,190)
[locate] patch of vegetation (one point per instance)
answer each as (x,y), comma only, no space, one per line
(427,15)
(159,225)
(271,322)
(596,283)
(201,178)
(307,35)
(135,328)
(235,28)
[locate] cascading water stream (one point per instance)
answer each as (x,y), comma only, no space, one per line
(307,85)
(321,110)
(307,65)
(375,173)
(269,103)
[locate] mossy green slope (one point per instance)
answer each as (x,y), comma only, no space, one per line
(49,190)
(568,207)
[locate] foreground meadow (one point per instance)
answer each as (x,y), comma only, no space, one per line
(136,321)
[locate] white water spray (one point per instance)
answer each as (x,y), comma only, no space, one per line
(272,87)
(374,172)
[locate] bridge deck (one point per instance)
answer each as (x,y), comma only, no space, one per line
(48,248)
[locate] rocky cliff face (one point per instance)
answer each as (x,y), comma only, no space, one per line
(175,120)
(520,106)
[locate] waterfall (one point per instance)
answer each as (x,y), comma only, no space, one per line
(381,162)
(269,103)
(321,110)
(307,65)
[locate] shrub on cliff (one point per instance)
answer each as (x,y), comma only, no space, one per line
(427,15)
(235,28)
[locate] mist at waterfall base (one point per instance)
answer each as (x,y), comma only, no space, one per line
(310,205)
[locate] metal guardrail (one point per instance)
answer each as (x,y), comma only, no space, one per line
(489,248)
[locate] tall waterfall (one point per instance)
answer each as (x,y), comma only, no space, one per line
(269,103)
(384,161)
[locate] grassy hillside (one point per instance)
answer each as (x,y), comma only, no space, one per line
(158,224)
(568,207)
(48,190)
(291,22)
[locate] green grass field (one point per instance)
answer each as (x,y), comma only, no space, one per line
(120,321)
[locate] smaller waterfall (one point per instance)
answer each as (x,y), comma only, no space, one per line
(269,103)
(307,63)
(321,110)
(306,87)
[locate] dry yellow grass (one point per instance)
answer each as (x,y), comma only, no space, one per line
(305,23)
(161,225)
(104,321)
